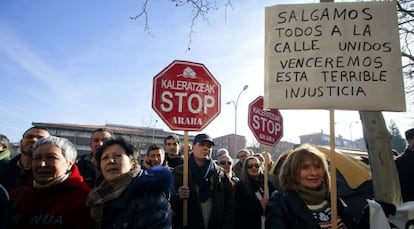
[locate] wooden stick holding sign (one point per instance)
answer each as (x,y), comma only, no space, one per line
(178,100)
(185,178)
(333,168)
(266,173)
(267,127)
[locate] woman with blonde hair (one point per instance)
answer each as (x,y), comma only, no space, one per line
(304,199)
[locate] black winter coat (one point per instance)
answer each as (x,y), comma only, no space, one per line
(144,204)
(286,210)
(405,168)
(223,205)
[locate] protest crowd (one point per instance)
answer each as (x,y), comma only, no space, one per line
(47,185)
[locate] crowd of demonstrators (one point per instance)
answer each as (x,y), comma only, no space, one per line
(226,163)
(172,149)
(241,155)
(108,189)
(129,197)
(250,195)
(155,157)
(57,196)
(209,194)
(405,167)
(18,170)
(87,163)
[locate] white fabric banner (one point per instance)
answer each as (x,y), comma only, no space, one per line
(403,218)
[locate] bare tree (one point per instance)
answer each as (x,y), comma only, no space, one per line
(405,10)
(200,10)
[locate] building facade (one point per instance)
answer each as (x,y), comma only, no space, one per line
(80,135)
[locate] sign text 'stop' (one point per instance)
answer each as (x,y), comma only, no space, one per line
(186,96)
(265,124)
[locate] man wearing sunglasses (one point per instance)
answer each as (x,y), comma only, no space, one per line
(209,193)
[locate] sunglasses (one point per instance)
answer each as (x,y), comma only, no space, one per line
(256,166)
(225,162)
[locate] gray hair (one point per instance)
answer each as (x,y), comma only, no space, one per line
(67,147)
(4,139)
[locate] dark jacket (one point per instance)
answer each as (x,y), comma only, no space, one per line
(405,168)
(249,209)
(286,210)
(174,161)
(223,205)
(4,208)
(13,176)
(143,204)
(90,173)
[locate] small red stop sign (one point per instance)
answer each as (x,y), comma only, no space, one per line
(266,125)
(186,96)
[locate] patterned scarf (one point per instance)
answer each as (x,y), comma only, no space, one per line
(311,196)
(106,192)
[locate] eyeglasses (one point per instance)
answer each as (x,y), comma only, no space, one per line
(225,162)
(256,166)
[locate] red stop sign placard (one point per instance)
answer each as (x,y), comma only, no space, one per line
(266,125)
(186,96)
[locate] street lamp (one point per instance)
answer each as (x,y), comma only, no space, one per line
(235,115)
(153,131)
(350,130)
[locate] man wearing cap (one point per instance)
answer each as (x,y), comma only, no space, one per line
(172,149)
(209,192)
(405,167)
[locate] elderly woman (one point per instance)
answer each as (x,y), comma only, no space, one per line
(249,194)
(129,197)
(304,200)
(58,194)
(226,163)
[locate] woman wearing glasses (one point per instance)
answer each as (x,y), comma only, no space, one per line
(226,163)
(249,195)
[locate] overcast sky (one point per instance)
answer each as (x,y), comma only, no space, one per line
(87,62)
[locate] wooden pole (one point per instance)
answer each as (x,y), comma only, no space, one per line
(266,173)
(333,168)
(185,178)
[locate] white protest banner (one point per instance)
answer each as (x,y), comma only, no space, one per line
(403,218)
(333,55)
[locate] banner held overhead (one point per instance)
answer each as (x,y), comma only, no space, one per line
(342,56)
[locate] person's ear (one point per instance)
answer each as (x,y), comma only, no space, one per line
(70,165)
(134,164)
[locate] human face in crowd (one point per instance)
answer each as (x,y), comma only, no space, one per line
(253,166)
(243,155)
(29,138)
(97,139)
(156,157)
(202,151)
(410,143)
(115,162)
(172,147)
(311,173)
(49,163)
(226,164)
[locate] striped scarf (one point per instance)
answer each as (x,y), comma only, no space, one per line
(106,192)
